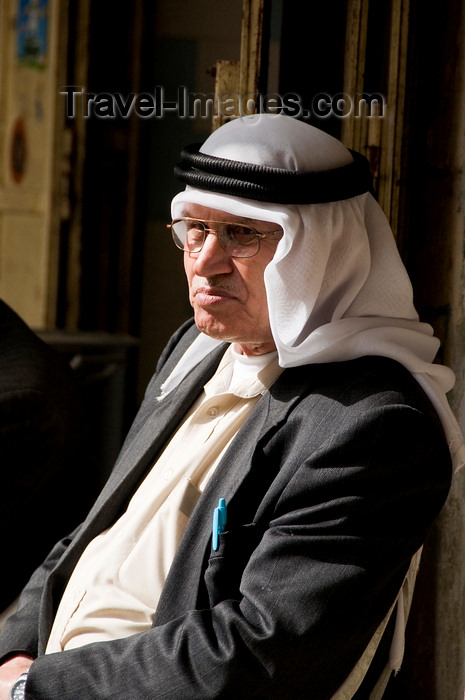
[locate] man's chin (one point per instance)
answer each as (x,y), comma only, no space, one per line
(214,333)
(213,328)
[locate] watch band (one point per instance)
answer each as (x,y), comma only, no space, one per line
(18,689)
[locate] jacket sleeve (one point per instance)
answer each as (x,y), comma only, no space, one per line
(319,578)
(20,633)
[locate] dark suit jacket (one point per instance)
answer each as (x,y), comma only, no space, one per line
(44,454)
(331,486)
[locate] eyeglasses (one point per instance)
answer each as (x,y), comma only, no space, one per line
(237,240)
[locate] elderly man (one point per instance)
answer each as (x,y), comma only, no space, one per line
(291,453)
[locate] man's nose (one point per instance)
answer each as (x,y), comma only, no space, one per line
(212,259)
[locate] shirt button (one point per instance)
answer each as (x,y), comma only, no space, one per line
(212,412)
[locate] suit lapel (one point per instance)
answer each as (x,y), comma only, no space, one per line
(137,457)
(230,474)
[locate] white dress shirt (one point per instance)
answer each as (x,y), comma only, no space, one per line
(114,589)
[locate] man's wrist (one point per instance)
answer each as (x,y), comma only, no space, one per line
(18,689)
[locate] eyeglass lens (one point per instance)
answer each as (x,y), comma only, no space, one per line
(237,240)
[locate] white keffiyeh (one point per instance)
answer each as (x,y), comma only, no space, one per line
(337,288)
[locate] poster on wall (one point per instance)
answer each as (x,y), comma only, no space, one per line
(32,26)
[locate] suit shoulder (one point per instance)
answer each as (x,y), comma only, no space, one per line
(365,379)
(364,401)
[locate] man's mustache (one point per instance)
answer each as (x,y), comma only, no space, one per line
(212,283)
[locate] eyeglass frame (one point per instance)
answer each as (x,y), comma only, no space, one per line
(259,236)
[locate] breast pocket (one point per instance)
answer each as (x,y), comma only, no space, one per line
(226,565)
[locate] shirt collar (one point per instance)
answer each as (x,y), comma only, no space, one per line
(234,376)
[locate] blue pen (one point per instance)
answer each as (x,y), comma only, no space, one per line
(219,522)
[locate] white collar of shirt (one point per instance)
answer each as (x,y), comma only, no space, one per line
(243,375)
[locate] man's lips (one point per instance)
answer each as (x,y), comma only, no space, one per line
(206,294)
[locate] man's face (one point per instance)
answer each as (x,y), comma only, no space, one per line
(228,294)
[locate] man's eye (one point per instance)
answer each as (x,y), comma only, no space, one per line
(195,234)
(196,225)
(242,234)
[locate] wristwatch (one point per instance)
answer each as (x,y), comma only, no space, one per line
(18,689)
